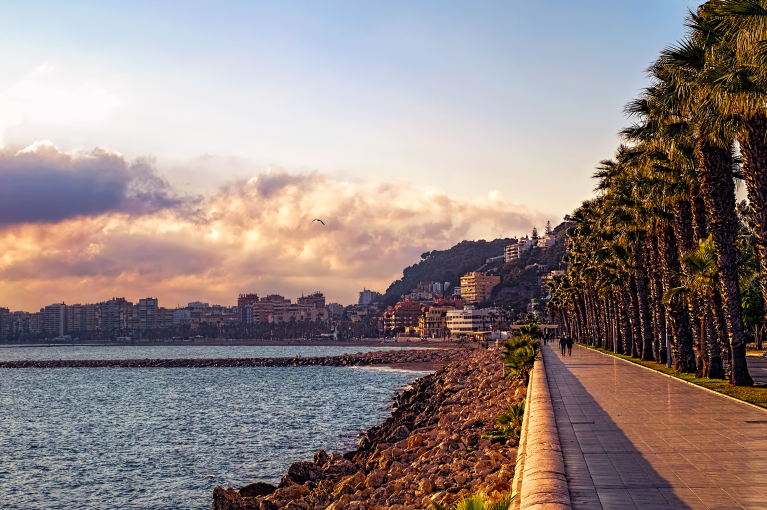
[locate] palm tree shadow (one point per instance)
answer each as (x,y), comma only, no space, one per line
(604,467)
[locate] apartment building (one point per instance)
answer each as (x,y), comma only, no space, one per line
(148,314)
(56,319)
(476,286)
(316,300)
(515,251)
(469,320)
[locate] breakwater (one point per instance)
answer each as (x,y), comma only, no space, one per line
(430,448)
(394,357)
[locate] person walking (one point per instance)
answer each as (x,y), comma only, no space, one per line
(563,343)
(569,346)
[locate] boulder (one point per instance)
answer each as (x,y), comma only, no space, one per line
(399,434)
(302,472)
(375,478)
(230,499)
(292,492)
(257,489)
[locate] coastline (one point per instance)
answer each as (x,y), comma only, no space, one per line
(367,342)
(430,448)
(410,359)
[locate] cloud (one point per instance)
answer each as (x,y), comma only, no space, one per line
(43,184)
(125,233)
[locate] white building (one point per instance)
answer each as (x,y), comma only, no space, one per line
(515,251)
(547,241)
(367,296)
(182,316)
(469,320)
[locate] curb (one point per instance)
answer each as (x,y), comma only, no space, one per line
(539,476)
(681,380)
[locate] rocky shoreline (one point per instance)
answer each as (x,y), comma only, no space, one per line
(430,448)
(394,357)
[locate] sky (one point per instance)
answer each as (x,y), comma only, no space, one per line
(180,150)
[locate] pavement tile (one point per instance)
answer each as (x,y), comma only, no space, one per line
(655,442)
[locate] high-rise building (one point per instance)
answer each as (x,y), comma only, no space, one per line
(316,300)
(92,317)
(75,318)
(148,314)
(37,322)
(5,323)
(116,314)
(56,319)
(476,286)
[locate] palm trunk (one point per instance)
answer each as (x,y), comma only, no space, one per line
(715,367)
(636,328)
(625,347)
(643,300)
(659,311)
(721,332)
(754,148)
(720,201)
(685,236)
(684,357)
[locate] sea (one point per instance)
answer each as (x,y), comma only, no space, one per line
(87,438)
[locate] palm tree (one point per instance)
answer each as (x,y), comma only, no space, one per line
(683,70)
(702,280)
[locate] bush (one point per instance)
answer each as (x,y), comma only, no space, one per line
(476,502)
(520,353)
(511,425)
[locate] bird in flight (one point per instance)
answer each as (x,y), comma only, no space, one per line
(323,223)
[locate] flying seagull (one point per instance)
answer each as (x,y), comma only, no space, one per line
(323,223)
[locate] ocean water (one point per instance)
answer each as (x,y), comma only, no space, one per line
(56,352)
(164,437)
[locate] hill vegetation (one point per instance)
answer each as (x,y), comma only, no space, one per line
(445,266)
(519,282)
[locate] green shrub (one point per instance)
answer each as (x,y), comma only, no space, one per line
(520,353)
(476,502)
(511,425)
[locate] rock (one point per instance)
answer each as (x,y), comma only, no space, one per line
(375,478)
(230,499)
(292,492)
(268,505)
(399,434)
(321,458)
(302,472)
(257,489)
(426,486)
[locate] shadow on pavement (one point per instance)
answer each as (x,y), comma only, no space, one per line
(604,467)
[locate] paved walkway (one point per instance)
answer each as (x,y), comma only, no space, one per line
(632,438)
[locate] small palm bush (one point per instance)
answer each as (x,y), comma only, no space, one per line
(520,353)
(476,502)
(511,425)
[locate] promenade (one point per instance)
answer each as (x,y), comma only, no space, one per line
(633,438)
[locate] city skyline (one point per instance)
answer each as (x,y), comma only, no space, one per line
(189,150)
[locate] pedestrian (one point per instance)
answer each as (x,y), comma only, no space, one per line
(563,343)
(570,346)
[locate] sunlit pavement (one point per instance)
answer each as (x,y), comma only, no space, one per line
(757,367)
(632,438)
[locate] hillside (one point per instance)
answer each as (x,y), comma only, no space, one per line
(445,266)
(519,282)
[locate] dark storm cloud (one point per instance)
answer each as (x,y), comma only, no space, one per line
(44,185)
